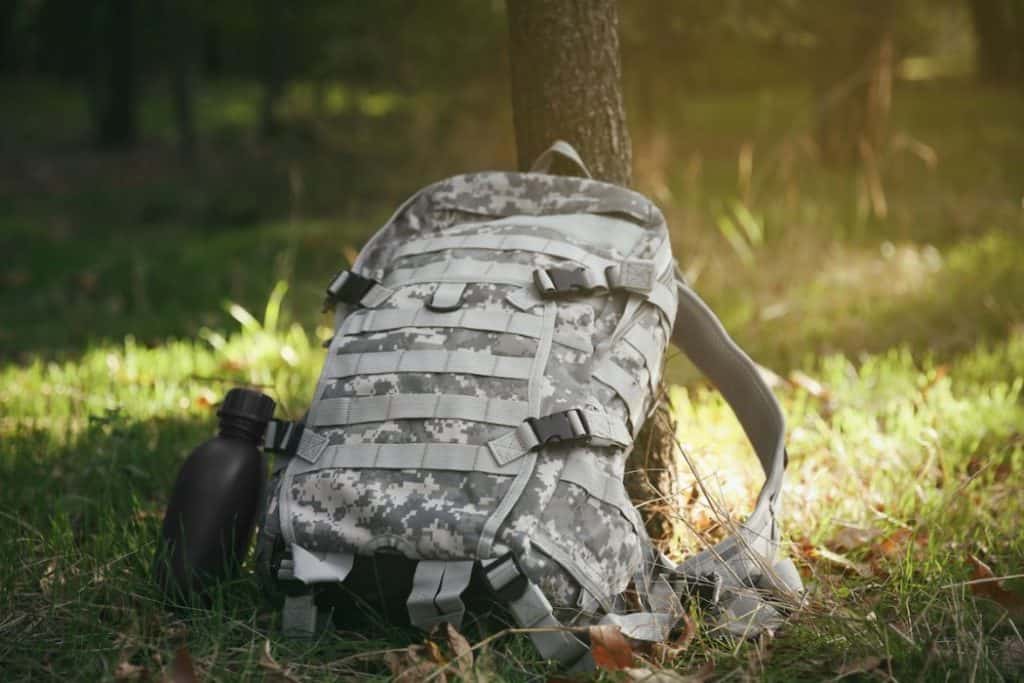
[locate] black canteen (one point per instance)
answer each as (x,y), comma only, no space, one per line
(215,501)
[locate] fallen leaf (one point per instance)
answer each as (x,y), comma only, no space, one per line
(461,650)
(862,666)
(703,673)
(849,538)
(610,648)
(894,544)
(126,671)
(985,584)
(181,668)
(416,663)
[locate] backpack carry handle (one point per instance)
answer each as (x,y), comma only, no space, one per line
(562,149)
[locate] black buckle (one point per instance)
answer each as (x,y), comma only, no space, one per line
(348,287)
(511,581)
(286,437)
(568,425)
(553,282)
(706,589)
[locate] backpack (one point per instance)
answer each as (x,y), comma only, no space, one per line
(497,347)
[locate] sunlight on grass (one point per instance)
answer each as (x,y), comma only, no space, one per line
(901,468)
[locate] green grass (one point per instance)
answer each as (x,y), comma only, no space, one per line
(897,341)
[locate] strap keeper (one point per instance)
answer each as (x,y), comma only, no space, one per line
(505,579)
(282,437)
(348,288)
(636,275)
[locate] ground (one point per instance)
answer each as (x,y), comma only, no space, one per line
(886,307)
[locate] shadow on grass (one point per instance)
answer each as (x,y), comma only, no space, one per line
(82,516)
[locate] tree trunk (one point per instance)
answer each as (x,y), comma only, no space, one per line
(275,65)
(118,123)
(566,82)
(999,32)
(180,49)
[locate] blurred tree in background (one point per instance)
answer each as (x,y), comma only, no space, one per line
(116,51)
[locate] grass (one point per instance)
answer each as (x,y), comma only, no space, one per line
(896,341)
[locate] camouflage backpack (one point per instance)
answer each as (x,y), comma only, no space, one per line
(497,347)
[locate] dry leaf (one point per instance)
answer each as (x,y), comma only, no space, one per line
(665,653)
(851,537)
(181,669)
(894,544)
(862,666)
(700,675)
(415,663)
(985,584)
(610,648)
(461,650)
(126,671)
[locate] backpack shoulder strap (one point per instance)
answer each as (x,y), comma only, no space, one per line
(750,553)
(700,334)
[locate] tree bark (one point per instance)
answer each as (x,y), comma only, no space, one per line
(179,19)
(566,78)
(999,32)
(275,65)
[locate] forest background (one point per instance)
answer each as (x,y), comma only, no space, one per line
(844,183)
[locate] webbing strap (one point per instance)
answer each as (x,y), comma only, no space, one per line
(490,242)
(650,626)
(309,567)
(359,410)
(298,616)
(349,287)
(701,336)
(625,385)
(531,609)
(582,470)
(462,270)
(644,343)
(406,456)
(282,436)
(528,464)
(522,324)
(562,149)
(436,595)
(429,360)
(595,427)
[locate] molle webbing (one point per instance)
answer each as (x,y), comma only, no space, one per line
(453,457)
(330,412)
(522,324)
(506,242)
(481,363)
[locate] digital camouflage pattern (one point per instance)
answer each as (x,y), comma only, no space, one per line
(582,547)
